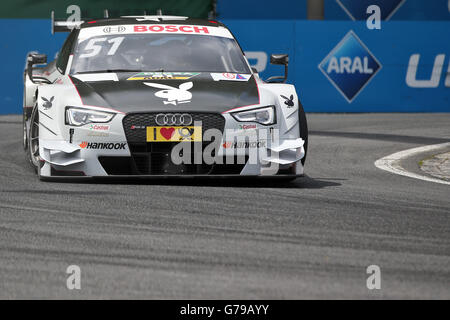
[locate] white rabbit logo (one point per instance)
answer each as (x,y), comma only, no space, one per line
(47,104)
(172,94)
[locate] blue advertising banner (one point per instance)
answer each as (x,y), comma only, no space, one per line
(341,66)
(261,9)
(337,66)
(21,36)
(390,9)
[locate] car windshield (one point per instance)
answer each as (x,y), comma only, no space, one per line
(158,52)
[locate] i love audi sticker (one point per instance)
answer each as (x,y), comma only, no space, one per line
(173,134)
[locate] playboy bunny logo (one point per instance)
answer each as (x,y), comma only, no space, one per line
(289,101)
(47,104)
(172,94)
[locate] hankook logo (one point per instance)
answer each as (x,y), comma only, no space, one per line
(173,119)
(103,145)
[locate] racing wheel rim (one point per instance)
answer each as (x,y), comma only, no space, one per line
(34,139)
(25,141)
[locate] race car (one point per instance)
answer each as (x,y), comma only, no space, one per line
(158,96)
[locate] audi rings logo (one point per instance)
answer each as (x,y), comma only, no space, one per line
(173,119)
(117,29)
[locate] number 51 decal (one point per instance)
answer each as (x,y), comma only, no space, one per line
(95,47)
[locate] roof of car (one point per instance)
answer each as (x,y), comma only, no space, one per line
(150,20)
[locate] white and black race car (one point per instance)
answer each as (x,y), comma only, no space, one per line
(158,96)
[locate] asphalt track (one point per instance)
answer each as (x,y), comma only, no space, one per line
(312,238)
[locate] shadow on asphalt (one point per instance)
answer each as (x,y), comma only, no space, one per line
(305,182)
(380,137)
(57,192)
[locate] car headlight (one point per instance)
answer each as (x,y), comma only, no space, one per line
(265,116)
(79,116)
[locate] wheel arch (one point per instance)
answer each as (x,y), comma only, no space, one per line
(303,124)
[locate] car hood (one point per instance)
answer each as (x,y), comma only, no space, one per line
(194,92)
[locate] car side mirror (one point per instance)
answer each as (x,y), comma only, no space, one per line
(32,59)
(279,59)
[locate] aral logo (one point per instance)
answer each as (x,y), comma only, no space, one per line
(350,66)
(357,9)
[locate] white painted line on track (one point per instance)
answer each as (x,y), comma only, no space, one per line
(391,162)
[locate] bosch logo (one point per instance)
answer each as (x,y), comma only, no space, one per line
(117,29)
(173,119)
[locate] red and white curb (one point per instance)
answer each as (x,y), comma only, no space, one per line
(391,163)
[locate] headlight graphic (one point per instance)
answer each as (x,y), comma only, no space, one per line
(80,116)
(265,116)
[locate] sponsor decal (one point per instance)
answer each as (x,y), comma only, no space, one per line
(174,134)
(97,134)
(133,127)
(289,101)
(171,28)
(47,103)
(350,66)
(103,145)
(173,95)
(114,29)
(86,33)
(234,76)
(97,77)
(163,75)
(244,133)
(247,126)
(244,144)
(99,127)
(230,76)
(357,10)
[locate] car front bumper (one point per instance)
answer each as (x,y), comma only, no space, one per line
(124,152)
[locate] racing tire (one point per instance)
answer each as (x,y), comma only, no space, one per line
(33,141)
(303,134)
(25,134)
(303,129)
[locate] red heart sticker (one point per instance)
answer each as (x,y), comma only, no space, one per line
(167,133)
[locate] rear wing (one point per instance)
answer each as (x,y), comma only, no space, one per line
(67,26)
(63,25)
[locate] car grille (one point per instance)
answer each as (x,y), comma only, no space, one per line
(149,158)
(142,120)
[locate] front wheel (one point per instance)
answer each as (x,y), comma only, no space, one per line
(25,134)
(303,129)
(33,140)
